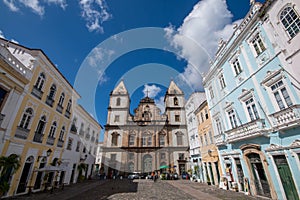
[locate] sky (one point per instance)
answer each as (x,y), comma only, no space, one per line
(145,43)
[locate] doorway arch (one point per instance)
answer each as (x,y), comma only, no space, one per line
(147,163)
(25,175)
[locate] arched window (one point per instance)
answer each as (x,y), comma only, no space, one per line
(69,105)
(52,130)
(131,140)
(52,92)
(40,81)
(175,101)
(114,139)
(26,118)
(61,99)
(290,20)
(161,140)
(41,125)
(62,133)
(118,101)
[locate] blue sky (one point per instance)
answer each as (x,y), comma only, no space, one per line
(76,32)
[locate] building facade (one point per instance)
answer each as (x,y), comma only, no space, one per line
(253,96)
(147,140)
(210,165)
(81,146)
(191,105)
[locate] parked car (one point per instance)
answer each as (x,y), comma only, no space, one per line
(134,175)
(174,176)
(185,175)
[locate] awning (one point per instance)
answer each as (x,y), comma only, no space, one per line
(164,167)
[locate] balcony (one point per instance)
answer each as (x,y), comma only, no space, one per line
(248,130)
(37,92)
(49,101)
(68,114)
(22,133)
(38,137)
(50,140)
(60,143)
(220,139)
(286,118)
(1,118)
(59,108)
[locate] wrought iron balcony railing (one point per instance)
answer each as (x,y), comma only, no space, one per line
(59,108)
(22,133)
(37,92)
(49,101)
(50,140)
(60,143)
(38,137)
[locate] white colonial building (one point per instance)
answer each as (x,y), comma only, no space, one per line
(146,140)
(82,144)
(191,105)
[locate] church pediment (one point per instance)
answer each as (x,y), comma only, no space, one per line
(120,89)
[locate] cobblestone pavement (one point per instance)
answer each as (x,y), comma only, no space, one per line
(138,190)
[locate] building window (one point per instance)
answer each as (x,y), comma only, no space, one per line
(222,81)
(175,101)
(144,140)
(70,142)
(113,157)
(211,92)
(26,118)
(69,106)
(162,155)
(161,140)
(290,20)
(40,81)
(84,150)
(114,139)
(211,137)
(130,156)
(232,118)
(205,139)
(258,44)
(78,146)
(131,140)
(202,118)
(281,95)
(62,133)
(118,103)
(52,92)
(61,99)
(149,140)
(251,108)
(117,118)
(52,130)
(237,67)
(2,96)
(181,156)
(177,118)
(219,126)
(41,125)
(206,114)
(179,138)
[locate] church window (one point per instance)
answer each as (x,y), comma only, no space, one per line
(114,139)
(177,118)
(161,140)
(118,101)
(131,140)
(175,101)
(290,20)
(117,118)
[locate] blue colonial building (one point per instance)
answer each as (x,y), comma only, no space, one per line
(253,93)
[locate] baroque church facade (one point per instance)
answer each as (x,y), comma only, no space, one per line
(146,140)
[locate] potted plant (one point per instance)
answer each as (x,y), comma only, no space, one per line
(8,166)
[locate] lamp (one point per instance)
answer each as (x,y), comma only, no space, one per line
(48,153)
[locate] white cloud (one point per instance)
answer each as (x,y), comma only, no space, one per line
(10,4)
(14,41)
(197,38)
(61,3)
(95,12)
(34,5)
(160,103)
(2,35)
(151,90)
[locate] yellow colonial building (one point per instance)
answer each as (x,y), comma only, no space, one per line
(40,119)
(209,152)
